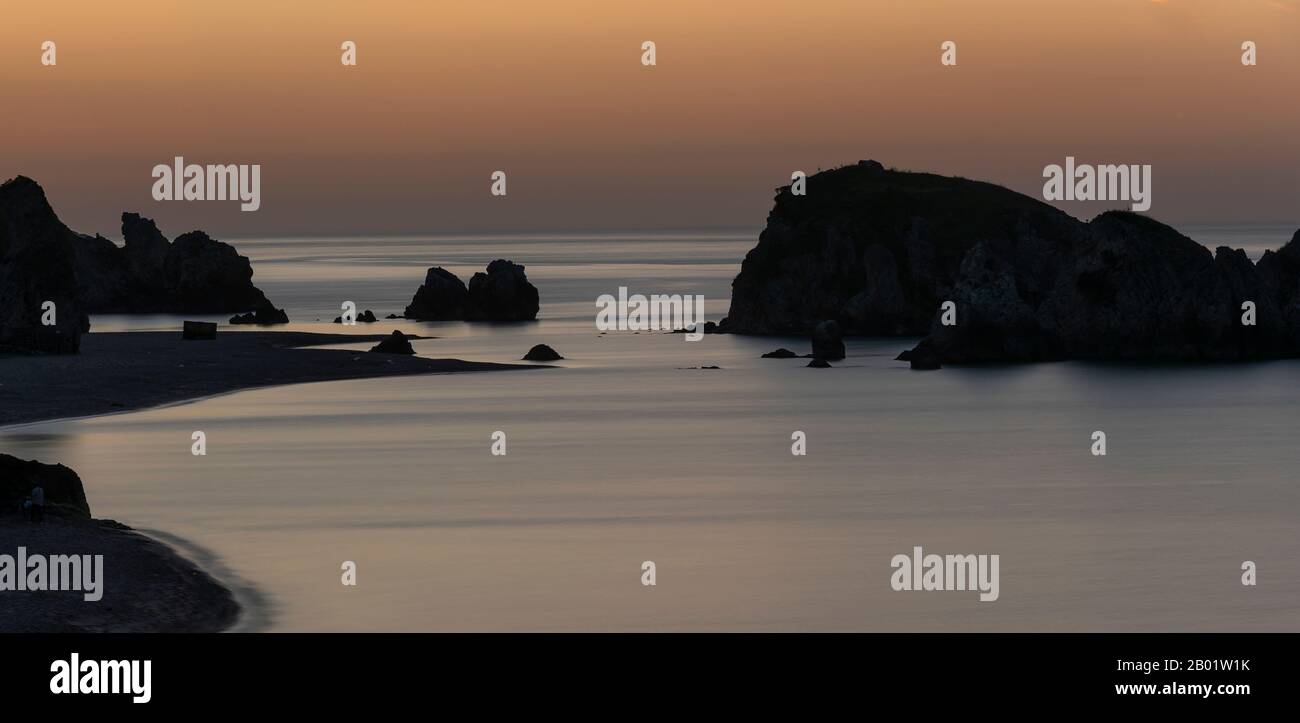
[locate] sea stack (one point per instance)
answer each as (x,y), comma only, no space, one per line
(502,293)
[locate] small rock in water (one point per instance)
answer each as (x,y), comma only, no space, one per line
(365,317)
(819,364)
(827,343)
(922,358)
(781,353)
(263,316)
(542,352)
(395,344)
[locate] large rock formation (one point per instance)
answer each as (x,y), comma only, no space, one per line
(879,251)
(440,298)
(503,293)
(64,493)
(194,274)
(36,266)
(42,260)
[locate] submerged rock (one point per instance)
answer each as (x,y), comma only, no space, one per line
(397,343)
(542,352)
(64,493)
(781,353)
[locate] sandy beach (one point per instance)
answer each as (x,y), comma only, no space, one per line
(151,586)
(122,371)
(146,586)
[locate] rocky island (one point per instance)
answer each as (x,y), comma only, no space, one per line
(879,251)
(50,273)
(503,293)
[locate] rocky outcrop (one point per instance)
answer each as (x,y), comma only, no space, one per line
(503,293)
(440,298)
(781,353)
(365,317)
(264,316)
(879,251)
(37,269)
(397,343)
(42,260)
(542,352)
(64,493)
(195,274)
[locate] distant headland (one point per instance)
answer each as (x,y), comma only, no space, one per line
(880,252)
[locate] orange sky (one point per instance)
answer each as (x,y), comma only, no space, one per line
(554,94)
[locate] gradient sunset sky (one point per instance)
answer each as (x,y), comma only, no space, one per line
(554,93)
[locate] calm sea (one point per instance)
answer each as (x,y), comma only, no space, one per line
(628,454)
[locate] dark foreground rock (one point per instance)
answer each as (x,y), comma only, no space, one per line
(396,343)
(819,364)
(781,353)
(542,352)
(64,494)
(37,266)
(503,293)
(879,252)
(142,586)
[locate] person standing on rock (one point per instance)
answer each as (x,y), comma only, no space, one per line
(38,504)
